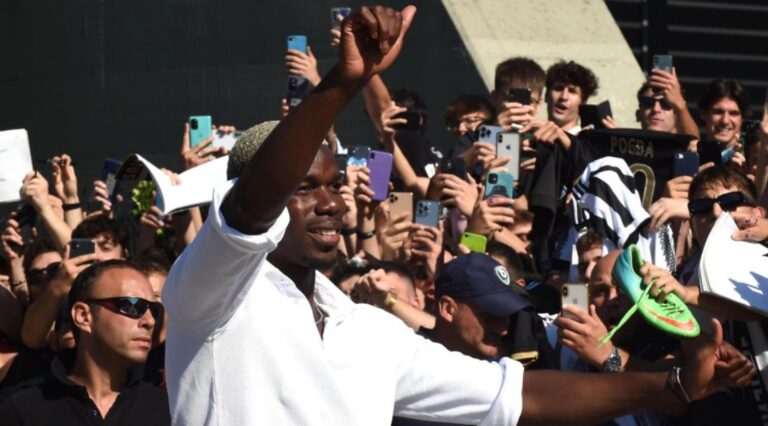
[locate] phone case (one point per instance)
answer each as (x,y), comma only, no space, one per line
(508,145)
(81,246)
(199,129)
(427,213)
(455,166)
(709,152)
(336,11)
(109,176)
(297,42)
(685,164)
(358,156)
(487,133)
(400,202)
(474,242)
(380,165)
(575,294)
(662,62)
(298,89)
(519,95)
(594,114)
(498,183)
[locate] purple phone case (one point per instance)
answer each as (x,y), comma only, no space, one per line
(380,165)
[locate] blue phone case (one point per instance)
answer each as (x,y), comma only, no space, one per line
(498,183)
(297,42)
(380,165)
(427,213)
(199,129)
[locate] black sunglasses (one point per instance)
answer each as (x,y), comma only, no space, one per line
(132,307)
(40,276)
(728,202)
(649,102)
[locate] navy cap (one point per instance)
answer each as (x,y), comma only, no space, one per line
(483,281)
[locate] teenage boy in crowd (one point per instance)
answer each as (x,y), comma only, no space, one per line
(254,327)
(113,314)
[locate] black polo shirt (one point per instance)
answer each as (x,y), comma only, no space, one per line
(60,401)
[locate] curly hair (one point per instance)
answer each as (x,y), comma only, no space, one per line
(572,73)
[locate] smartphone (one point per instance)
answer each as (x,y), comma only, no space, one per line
(474,242)
(527,148)
(685,164)
(297,42)
(508,145)
(341,162)
(709,152)
(594,114)
(298,89)
(80,247)
(358,155)
(336,11)
(400,202)
(413,121)
(575,294)
(109,176)
(520,95)
(427,213)
(200,128)
(380,165)
(498,183)
(225,139)
(455,166)
(487,133)
(662,62)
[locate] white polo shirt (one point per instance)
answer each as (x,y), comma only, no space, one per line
(243,348)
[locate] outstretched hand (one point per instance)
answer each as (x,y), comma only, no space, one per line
(371,39)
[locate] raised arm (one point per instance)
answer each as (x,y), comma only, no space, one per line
(371,39)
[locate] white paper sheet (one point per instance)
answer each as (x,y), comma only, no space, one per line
(15,163)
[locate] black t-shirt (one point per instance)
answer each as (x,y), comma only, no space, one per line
(59,401)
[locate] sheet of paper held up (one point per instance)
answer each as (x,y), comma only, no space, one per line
(734,270)
(15,163)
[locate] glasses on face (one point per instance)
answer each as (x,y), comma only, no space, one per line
(469,121)
(650,102)
(132,307)
(728,202)
(40,276)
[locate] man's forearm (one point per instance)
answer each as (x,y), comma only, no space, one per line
(58,229)
(282,161)
(685,123)
(553,397)
(377,99)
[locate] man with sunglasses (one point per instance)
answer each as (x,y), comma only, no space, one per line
(113,312)
(662,107)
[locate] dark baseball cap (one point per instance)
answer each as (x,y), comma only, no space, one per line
(483,281)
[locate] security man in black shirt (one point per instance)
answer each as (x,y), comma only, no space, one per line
(113,313)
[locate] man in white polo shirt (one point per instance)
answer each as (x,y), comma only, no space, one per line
(257,336)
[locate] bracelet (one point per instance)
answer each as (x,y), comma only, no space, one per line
(673,380)
(348,231)
(366,235)
(390,300)
(73,206)
(18,283)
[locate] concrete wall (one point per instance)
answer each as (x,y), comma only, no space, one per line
(547,31)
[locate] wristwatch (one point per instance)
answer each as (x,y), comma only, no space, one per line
(612,364)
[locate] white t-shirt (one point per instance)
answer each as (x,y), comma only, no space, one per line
(243,348)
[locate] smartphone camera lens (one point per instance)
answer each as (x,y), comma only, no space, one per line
(493,178)
(565,291)
(193,124)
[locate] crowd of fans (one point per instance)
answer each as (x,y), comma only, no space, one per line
(83,336)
